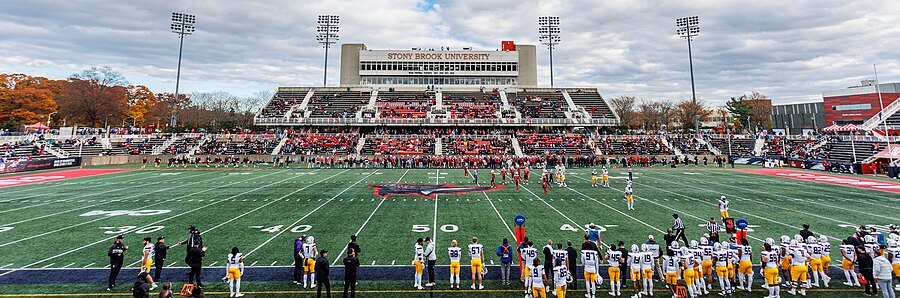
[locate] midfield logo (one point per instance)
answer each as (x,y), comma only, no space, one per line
(425,190)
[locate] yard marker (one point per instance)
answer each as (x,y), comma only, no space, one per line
(88,265)
(393,262)
(373,263)
(10,264)
(213,264)
(254,263)
(67,266)
(365,223)
(273,263)
(48,265)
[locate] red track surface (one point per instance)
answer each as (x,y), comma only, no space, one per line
(872,184)
(54,176)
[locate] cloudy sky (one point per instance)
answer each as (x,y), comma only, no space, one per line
(789,50)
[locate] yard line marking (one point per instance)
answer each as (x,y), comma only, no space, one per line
(310,213)
(101,203)
(172,264)
(273,263)
(132,264)
(213,264)
(7,265)
(88,265)
(764,218)
(343,250)
(434,227)
(141,208)
(254,263)
(154,223)
(500,216)
(614,209)
(554,208)
(48,265)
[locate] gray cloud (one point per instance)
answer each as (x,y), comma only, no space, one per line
(790,51)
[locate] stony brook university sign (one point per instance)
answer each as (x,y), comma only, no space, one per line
(425,190)
(439,56)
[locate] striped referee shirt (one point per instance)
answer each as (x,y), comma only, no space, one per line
(712,227)
(679,225)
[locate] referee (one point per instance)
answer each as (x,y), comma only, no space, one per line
(678,228)
(713,228)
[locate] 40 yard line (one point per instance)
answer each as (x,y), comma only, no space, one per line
(344,250)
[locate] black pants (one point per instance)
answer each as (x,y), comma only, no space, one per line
(195,273)
(350,283)
(548,270)
(431,264)
(113,273)
(159,267)
(623,276)
(870,282)
(680,235)
(574,277)
(298,268)
(323,282)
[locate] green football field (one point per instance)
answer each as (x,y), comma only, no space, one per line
(70,223)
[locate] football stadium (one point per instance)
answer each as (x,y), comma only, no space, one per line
(453,173)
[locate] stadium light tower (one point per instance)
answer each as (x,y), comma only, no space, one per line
(688,27)
(183,25)
(548,34)
(327,35)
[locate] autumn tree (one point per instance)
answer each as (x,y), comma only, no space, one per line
(25,100)
(95,96)
(140,99)
(655,114)
(687,111)
(624,106)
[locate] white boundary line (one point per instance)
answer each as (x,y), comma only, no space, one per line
(343,250)
(614,209)
(141,208)
(64,182)
(310,213)
(434,227)
(159,221)
(101,203)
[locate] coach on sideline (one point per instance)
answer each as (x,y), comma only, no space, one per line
(193,239)
(159,256)
(116,256)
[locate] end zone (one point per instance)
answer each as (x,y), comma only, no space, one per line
(55,176)
(872,184)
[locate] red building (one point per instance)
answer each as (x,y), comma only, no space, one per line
(858,103)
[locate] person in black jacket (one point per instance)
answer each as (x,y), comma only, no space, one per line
(159,258)
(548,260)
(195,261)
(865,268)
(192,239)
(623,266)
(573,263)
(141,288)
(351,264)
(116,257)
(322,275)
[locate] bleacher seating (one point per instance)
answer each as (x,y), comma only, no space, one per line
(592,102)
(402,145)
(283,101)
(11,150)
(404,104)
(312,143)
(539,104)
(739,145)
(688,144)
(239,145)
(841,149)
(554,144)
(472,105)
(476,145)
(632,145)
(337,104)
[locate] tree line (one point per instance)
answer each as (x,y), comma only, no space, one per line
(101,96)
(741,113)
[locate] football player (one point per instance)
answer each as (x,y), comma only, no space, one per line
(815,262)
(538,279)
(517,179)
(653,249)
(529,254)
(604,176)
(826,254)
(455,254)
(591,262)
(733,259)
(545,181)
(235,268)
(418,260)
(723,207)
(699,282)
(720,258)
(783,254)
(561,276)
(503,175)
(691,264)
(848,263)
(629,197)
(707,271)
(475,251)
(769,258)
(493,179)
(635,266)
(893,249)
(671,267)
(147,260)
(526,173)
(647,269)
(594,178)
(309,253)
(614,258)
(799,257)
(745,264)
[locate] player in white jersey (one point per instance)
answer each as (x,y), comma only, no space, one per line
(629,197)
(670,267)
(893,255)
(691,264)
(538,280)
(699,282)
(476,251)
(707,265)
(529,254)
(733,260)
(647,269)
(561,276)
(745,265)
(590,259)
(147,260)
(419,262)
(815,261)
(614,258)
(560,254)
(720,258)
(769,258)
(604,176)
(309,254)
(594,178)
(634,261)
(234,266)
(799,257)
(848,263)
(871,245)
(723,207)
(455,253)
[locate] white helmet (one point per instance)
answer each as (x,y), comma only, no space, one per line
(685,251)
(798,238)
(722,198)
(794,242)
(823,239)
(891,243)
(811,239)
(704,241)
(635,249)
(726,245)
(694,243)
(650,237)
(310,239)
(785,239)
(674,245)
(645,247)
(870,239)
(894,236)
(717,246)
(770,241)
